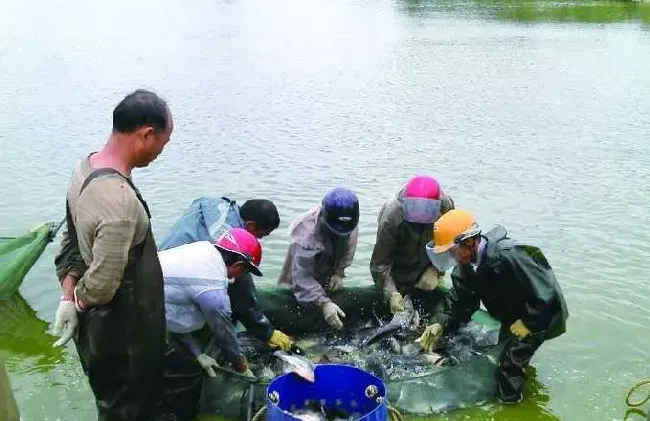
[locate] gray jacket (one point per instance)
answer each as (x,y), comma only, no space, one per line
(399,257)
(313,258)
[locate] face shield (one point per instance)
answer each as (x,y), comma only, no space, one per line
(421,210)
(444,260)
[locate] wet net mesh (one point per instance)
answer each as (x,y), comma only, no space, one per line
(471,381)
(18,255)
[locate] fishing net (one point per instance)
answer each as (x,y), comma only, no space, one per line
(471,381)
(18,255)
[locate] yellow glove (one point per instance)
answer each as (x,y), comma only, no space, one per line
(280,340)
(429,280)
(430,337)
(396,302)
(519,329)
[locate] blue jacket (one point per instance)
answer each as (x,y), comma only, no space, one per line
(205,220)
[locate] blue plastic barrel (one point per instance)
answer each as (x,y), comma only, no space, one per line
(335,386)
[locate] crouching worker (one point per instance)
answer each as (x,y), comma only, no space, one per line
(515,283)
(205,220)
(323,242)
(196,277)
(399,264)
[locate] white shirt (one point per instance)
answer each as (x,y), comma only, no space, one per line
(189,271)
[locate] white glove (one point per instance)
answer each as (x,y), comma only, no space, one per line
(333,314)
(65,322)
(207,362)
(335,283)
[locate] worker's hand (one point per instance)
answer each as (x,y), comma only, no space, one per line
(430,337)
(396,302)
(335,283)
(208,363)
(519,329)
(429,279)
(65,322)
(280,340)
(333,314)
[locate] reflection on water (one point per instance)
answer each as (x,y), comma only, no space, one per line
(596,12)
(535,10)
(23,336)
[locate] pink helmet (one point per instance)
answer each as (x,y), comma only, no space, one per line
(422,186)
(242,242)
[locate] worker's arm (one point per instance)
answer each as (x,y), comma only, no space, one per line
(110,210)
(215,306)
(305,287)
(191,343)
(541,290)
(69,264)
(381,261)
(245,308)
(462,302)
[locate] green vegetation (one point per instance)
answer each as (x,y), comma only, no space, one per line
(536,10)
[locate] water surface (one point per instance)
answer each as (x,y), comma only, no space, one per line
(533,114)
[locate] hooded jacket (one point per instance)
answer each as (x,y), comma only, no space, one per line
(314,256)
(514,281)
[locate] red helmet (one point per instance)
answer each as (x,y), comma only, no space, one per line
(242,242)
(422,186)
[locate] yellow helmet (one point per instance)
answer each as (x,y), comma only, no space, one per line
(452,228)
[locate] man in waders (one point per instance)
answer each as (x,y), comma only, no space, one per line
(113,301)
(515,283)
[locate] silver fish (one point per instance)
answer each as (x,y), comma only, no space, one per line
(306,414)
(296,364)
(400,321)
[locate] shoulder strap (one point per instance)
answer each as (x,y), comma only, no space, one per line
(102,172)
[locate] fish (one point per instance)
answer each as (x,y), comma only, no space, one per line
(298,364)
(386,365)
(401,321)
(314,411)
(307,414)
(387,350)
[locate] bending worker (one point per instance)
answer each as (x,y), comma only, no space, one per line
(399,264)
(196,278)
(323,242)
(515,283)
(205,220)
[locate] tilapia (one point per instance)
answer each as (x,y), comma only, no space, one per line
(400,321)
(296,364)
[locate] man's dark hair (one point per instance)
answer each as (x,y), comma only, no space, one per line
(140,109)
(261,211)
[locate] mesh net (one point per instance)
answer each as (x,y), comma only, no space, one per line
(471,381)
(18,255)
